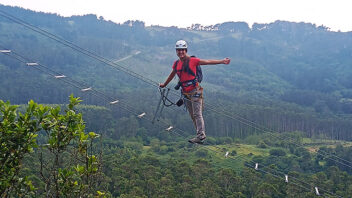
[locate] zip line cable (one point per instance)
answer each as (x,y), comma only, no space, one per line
(134,74)
(65,80)
(256,167)
(242,157)
(53,73)
(105,97)
(308,189)
(265,172)
(287,139)
(95,92)
(280,172)
(270,131)
(292,141)
(77,48)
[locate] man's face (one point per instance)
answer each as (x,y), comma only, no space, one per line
(181,53)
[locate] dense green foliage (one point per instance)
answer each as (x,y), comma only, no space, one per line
(167,166)
(17,138)
(65,167)
(136,175)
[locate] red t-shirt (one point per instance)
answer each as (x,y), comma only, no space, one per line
(183,75)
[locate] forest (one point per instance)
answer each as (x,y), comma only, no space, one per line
(72,90)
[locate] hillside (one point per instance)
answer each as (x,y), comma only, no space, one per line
(296,71)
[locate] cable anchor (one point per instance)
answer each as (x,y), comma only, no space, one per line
(32,64)
(114,102)
(60,76)
(141,115)
(169,129)
(86,89)
(226,154)
(317,191)
(5,51)
(256,166)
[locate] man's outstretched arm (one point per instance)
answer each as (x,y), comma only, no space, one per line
(225,61)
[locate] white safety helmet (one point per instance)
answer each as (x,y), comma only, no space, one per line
(181,44)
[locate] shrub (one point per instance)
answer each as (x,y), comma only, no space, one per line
(262,144)
(202,153)
(277,152)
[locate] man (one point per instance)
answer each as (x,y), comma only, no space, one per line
(186,69)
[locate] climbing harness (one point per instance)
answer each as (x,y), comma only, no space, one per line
(197,94)
(196,75)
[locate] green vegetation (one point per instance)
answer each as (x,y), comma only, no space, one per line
(65,159)
(65,167)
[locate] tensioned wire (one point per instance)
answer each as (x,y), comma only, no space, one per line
(248,163)
(76,47)
(290,177)
(149,81)
(76,84)
(128,108)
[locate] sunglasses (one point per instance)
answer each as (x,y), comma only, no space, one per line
(180,49)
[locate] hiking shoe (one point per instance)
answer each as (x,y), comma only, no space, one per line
(197,140)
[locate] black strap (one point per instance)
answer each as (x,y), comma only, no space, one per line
(186,68)
(189,82)
(175,67)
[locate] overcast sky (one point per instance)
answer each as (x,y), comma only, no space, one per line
(335,14)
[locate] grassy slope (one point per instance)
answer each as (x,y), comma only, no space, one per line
(215,154)
(314,144)
(245,152)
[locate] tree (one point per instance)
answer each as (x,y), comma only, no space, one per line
(66,141)
(73,176)
(18,134)
(267,190)
(277,152)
